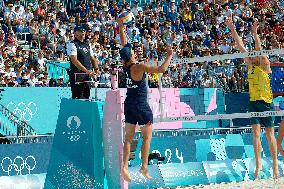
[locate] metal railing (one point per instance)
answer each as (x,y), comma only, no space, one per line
(55,69)
(27,139)
(218,80)
(21,127)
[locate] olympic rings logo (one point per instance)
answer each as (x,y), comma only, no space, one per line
(18,164)
(74,138)
(74,134)
(25,112)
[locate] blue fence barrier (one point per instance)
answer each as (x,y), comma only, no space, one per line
(22,159)
(76,154)
(56,69)
(39,107)
(215,147)
(34,104)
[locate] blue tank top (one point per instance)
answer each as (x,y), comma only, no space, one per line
(136,90)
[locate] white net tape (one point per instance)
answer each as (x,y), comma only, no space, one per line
(220,116)
(221,57)
(228,56)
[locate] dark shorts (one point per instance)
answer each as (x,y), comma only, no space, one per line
(140,113)
(262,106)
(81,90)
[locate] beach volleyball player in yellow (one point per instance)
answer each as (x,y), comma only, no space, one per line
(261,98)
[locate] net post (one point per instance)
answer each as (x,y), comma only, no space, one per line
(161,97)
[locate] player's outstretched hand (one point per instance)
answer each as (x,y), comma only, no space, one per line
(229,23)
(255,26)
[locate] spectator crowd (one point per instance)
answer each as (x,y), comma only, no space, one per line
(35,33)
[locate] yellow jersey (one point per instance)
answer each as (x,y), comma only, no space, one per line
(154,77)
(187,16)
(259,84)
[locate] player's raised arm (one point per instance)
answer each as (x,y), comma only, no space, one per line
(162,68)
(122,33)
(235,35)
(257,40)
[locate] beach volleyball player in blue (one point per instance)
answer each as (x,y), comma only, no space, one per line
(136,107)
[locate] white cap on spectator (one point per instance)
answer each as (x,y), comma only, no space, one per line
(60,77)
(41,76)
(173,1)
(25,77)
(32,71)
(96,29)
(98,23)
(109,22)
(13,74)
(30,4)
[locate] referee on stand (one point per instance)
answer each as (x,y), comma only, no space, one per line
(82,64)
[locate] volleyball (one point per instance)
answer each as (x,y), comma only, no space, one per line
(127,17)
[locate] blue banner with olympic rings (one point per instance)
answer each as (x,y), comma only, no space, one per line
(23,159)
